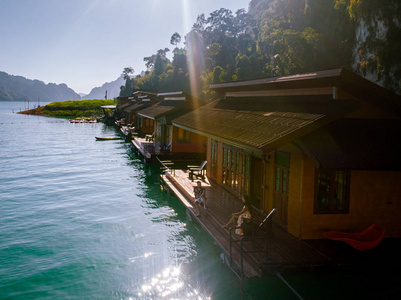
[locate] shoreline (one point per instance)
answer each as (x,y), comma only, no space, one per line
(70,109)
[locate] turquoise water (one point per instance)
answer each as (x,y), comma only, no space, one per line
(86,219)
(81,219)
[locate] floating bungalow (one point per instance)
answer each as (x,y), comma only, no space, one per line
(129,123)
(158,136)
(319,151)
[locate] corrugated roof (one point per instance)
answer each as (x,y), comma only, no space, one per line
(160,109)
(122,107)
(276,81)
(136,106)
(341,78)
(257,122)
(358,144)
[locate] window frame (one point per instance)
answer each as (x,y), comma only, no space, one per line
(186,136)
(236,170)
(336,180)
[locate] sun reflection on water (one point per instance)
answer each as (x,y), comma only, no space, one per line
(170,284)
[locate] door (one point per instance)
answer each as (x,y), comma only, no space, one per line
(281,189)
(256,183)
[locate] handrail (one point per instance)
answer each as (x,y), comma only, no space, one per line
(267,217)
(243,251)
(165,166)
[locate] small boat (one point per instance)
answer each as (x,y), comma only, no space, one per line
(82,120)
(99,138)
(76,120)
(364,240)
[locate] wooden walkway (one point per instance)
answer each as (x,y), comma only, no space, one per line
(151,153)
(283,250)
(145,147)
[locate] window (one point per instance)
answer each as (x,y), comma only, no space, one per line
(332,192)
(183,136)
(236,170)
(148,122)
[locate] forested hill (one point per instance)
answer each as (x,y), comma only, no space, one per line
(18,88)
(277,38)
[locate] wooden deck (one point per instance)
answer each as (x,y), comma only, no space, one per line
(283,250)
(145,147)
(151,153)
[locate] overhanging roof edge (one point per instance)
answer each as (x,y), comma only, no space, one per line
(146,116)
(227,141)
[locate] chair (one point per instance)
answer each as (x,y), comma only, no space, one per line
(165,148)
(149,137)
(364,240)
(197,171)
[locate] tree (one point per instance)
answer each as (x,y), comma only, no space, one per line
(127,89)
(127,71)
(151,60)
(217,72)
(159,66)
(175,39)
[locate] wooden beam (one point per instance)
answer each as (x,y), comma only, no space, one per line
(287,92)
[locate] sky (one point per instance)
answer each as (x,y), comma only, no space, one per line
(86,43)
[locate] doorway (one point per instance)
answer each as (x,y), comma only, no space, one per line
(281,183)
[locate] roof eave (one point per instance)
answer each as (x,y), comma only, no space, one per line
(277,82)
(145,116)
(224,140)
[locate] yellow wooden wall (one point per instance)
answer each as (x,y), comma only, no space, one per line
(198,143)
(374,198)
(148,126)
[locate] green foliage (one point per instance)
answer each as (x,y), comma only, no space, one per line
(217,72)
(274,38)
(83,108)
(127,72)
(175,39)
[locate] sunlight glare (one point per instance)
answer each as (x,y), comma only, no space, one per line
(186,15)
(146,255)
(170,283)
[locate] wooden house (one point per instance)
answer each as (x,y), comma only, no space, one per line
(122,100)
(156,123)
(139,101)
(322,148)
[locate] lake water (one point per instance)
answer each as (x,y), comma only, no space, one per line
(86,219)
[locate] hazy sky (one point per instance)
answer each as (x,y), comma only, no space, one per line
(85,43)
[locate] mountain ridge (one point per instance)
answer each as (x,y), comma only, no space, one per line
(112,88)
(19,88)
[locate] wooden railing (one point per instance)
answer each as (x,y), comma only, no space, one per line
(167,166)
(252,233)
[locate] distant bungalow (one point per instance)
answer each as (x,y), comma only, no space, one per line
(128,119)
(157,136)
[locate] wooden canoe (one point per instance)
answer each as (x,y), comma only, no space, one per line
(99,138)
(364,240)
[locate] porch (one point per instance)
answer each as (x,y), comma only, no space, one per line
(152,150)
(251,256)
(128,132)
(144,146)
